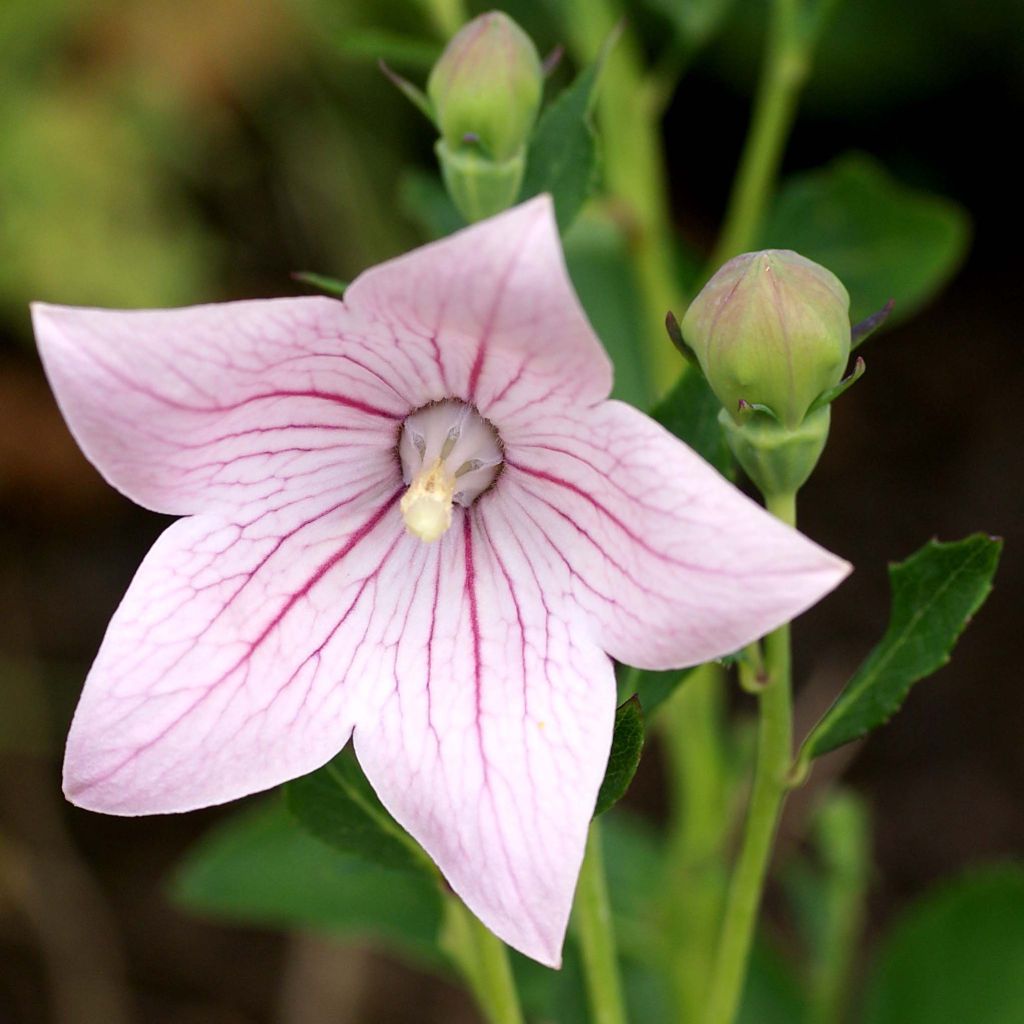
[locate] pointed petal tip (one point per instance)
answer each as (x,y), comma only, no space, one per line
(544,949)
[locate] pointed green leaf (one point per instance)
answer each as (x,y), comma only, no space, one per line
(653,688)
(934,594)
(690,411)
(261,867)
(627,745)
(337,805)
(393,47)
(696,22)
(563,153)
(882,239)
(328,285)
(955,957)
(425,201)
(600,264)
(413,93)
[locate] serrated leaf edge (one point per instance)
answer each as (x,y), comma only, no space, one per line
(808,750)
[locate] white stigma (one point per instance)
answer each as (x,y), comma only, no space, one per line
(450,455)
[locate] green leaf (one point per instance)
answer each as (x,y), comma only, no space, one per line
(260,867)
(601,267)
(425,201)
(827,892)
(880,238)
(627,745)
(957,956)
(771,993)
(634,862)
(653,688)
(690,411)
(695,21)
(379,44)
(413,93)
(934,594)
(563,152)
(337,805)
(322,283)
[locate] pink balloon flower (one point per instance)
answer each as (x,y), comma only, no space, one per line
(413,518)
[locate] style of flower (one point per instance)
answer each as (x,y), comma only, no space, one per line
(413,518)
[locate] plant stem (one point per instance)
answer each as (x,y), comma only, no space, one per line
(700,813)
(448,16)
(842,833)
(483,960)
(597,936)
(634,173)
(774,756)
(786,64)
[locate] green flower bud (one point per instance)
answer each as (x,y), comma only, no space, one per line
(771,331)
(485,91)
(487,87)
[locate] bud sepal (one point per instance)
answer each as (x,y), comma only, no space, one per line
(480,187)
(777,458)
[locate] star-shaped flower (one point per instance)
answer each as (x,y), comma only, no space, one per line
(414,518)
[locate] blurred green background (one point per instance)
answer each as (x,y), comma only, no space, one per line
(161,152)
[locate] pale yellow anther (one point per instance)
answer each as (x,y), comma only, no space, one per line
(427,504)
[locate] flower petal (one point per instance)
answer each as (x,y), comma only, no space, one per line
(491,745)
(236,658)
(673,563)
(218,407)
(488,315)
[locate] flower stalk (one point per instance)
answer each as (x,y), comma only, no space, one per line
(700,817)
(634,173)
(792,33)
(483,960)
(597,936)
(774,755)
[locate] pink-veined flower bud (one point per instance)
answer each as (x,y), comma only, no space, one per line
(485,91)
(771,331)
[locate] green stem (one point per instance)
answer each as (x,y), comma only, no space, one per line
(597,936)
(699,819)
(774,756)
(448,16)
(634,174)
(842,836)
(483,960)
(786,64)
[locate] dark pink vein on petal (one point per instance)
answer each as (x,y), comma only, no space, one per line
(328,396)
(474,625)
(355,538)
(488,328)
(632,534)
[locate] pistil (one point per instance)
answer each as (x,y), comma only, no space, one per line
(450,455)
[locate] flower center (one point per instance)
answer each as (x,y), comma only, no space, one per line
(450,454)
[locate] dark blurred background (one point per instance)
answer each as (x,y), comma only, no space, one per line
(160,152)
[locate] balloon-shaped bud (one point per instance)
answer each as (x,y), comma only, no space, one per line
(771,331)
(485,91)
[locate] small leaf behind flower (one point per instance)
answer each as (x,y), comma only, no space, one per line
(956,956)
(337,805)
(321,282)
(262,867)
(652,688)
(425,201)
(563,152)
(880,238)
(934,594)
(690,411)
(627,745)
